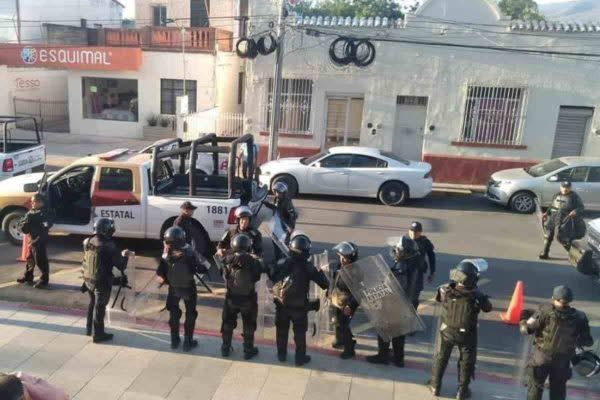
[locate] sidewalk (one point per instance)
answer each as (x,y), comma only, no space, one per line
(140,365)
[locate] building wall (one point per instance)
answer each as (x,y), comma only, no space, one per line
(36,84)
(155,66)
(229,65)
(4,92)
(175,9)
(108,13)
(442,74)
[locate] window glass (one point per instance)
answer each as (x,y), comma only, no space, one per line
(360,161)
(594,175)
(337,161)
(395,157)
(545,168)
(311,159)
(170,89)
(565,174)
(579,174)
(110,99)
(116,179)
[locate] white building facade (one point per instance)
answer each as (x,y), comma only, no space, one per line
(452,85)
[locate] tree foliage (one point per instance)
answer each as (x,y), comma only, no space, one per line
(521,9)
(350,8)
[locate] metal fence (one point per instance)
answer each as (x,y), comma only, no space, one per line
(295,107)
(209,121)
(230,124)
(52,115)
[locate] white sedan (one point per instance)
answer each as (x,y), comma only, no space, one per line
(352,171)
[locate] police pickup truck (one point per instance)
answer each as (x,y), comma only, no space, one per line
(21,150)
(141,191)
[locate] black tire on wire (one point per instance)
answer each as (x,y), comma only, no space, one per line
(370,53)
(250,51)
(349,50)
(262,49)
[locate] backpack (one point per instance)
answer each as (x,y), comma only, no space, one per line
(461,312)
(91,261)
(291,290)
(561,333)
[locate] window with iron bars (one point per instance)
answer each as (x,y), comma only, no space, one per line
(493,115)
(296,99)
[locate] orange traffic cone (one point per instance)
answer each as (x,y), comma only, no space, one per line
(24,249)
(513,314)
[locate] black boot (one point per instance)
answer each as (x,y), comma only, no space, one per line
(88,330)
(226,346)
(175,338)
(28,281)
(250,350)
(188,339)
(281,356)
(102,337)
(463,393)
(348,351)
(302,359)
(383,357)
(544,254)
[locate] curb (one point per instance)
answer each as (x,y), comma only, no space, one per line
(414,365)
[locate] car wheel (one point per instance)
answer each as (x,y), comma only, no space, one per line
(393,193)
(523,202)
(11,229)
(289,181)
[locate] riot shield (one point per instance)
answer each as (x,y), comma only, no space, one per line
(277,233)
(122,295)
(319,321)
(389,310)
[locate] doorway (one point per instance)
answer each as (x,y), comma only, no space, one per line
(344,120)
(572,126)
(409,127)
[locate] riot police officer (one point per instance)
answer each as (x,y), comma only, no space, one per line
(566,204)
(178,267)
(558,329)
(185,219)
(408,270)
(243,217)
(100,255)
(343,302)
(283,206)
(461,303)
(426,249)
(291,279)
(37,223)
(241,272)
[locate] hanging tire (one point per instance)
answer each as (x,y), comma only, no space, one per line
(523,202)
(10,226)
(289,181)
(393,193)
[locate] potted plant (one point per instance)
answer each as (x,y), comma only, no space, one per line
(152,119)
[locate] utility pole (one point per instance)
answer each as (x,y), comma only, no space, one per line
(183,55)
(277,83)
(18,5)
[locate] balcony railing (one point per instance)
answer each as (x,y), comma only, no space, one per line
(168,39)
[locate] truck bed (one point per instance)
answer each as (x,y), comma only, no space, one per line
(207,186)
(13,147)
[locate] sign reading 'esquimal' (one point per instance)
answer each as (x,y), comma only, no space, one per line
(86,58)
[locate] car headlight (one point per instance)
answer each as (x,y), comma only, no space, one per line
(504,183)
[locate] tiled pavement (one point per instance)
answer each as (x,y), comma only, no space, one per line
(139,365)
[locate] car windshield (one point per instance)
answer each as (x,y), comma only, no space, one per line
(311,159)
(395,157)
(544,168)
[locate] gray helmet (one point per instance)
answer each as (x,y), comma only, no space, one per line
(104,227)
(242,212)
(465,273)
(241,243)
(586,364)
(347,250)
(175,237)
(280,189)
(405,249)
(563,294)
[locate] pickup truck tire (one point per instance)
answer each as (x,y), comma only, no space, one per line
(10,226)
(289,181)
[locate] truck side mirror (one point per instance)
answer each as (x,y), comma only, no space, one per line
(30,187)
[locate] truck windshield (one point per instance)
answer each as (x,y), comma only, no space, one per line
(544,168)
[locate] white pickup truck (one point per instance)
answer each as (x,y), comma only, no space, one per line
(142,192)
(21,150)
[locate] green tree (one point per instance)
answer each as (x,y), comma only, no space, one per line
(521,9)
(350,8)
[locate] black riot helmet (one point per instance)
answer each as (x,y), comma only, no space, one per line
(280,189)
(175,238)
(241,243)
(104,227)
(586,364)
(405,249)
(300,245)
(348,250)
(466,273)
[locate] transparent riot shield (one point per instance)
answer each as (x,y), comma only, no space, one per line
(265,323)
(389,310)
(319,321)
(274,229)
(122,295)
